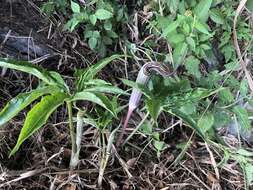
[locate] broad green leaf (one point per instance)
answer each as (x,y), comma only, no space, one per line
(202,27)
(249,5)
(191,43)
(108,25)
(175,38)
(205,122)
(93,19)
(186,118)
(75,7)
(216,16)
(244,88)
(243,118)
(38,116)
(179,53)
(170,28)
(28,68)
(226,96)
(202,9)
(103,14)
(192,66)
(95,98)
(21,101)
(92,43)
(221,118)
(154,107)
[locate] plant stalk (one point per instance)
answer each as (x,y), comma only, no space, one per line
(72,132)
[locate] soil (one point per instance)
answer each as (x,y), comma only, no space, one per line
(43,160)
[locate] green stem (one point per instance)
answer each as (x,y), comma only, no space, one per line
(71,129)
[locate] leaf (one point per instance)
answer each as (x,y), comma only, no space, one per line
(186,118)
(103,14)
(243,118)
(248,173)
(170,28)
(21,101)
(175,38)
(154,107)
(191,43)
(93,19)
(139,87)
(202,9)
(38,116)
(105,89)
(249,5)
(192,66)
(95,98)
(179,53)
(91,72)
(75,7)
(202,27)
(216,16)
(28,68)
(226,96)
(205,122)
(92,43)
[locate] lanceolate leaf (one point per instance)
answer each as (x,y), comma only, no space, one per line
(28,68)
(105,89)
(21,101)
(38,116)
(94,69)
(95,98)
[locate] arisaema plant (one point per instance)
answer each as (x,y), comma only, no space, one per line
(53,92)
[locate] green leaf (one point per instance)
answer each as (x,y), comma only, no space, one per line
(216,16)
(191,43)
(103,14)
(95,98)
(202,9)
(21,101)
(159,145)
(170,28)
(154,107)
(202,27)
(28,68)
(244,88)
(92,43)
(205,122)
(243,118)
(248,173)
(175,38)
(249,5)
(226,96)
(93,19)
(186,118)
(91,72)
(38,116)
(179,53)
(75,7)
(105,89)
(108,25)
(192,66)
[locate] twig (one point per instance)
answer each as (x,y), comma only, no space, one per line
(237,48)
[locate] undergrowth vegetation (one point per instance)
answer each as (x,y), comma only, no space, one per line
(207,43)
